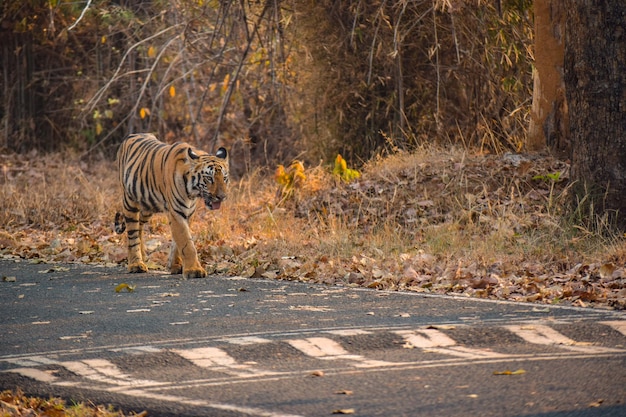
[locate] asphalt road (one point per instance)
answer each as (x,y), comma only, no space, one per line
(244,347)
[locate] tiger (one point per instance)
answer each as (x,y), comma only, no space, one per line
(161,178)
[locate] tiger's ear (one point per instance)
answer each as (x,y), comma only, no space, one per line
(192,154)
(221,153)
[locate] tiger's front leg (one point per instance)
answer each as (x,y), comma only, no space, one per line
(175,262)
(184,250)
(135,241)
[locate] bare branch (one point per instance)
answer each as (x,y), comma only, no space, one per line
(80,17)
(91,104)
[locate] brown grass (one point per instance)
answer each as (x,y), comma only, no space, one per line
(442,221)
(17,404)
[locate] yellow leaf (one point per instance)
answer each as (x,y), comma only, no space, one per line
(281,176)
(103,39)
(172,91)
(507,372)
(212,87)
(124,286)
(225,83)
(98,128)
(151,52)
(143,112)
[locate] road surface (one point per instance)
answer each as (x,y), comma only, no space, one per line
(245,347)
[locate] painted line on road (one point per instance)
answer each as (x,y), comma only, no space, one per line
(34,360)
(544,335)
(352,370)
(102,370)
(251,411)
(433,340)
(328,349)
(36,374)
(348,332)
(216,359)
(245,340)
(272,335)
(619,325)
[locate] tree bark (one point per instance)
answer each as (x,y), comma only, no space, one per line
(595,80)
(549,113)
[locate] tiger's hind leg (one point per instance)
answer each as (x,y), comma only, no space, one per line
(136,248)
(143,219)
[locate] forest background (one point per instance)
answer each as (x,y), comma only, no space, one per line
(429,102)
(270,80)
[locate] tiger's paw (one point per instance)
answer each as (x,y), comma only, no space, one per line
(137,267)
(194,273)
(176,269)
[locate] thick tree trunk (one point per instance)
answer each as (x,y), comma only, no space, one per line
(549,120)
(595,80)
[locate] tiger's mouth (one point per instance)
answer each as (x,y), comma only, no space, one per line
(211,203)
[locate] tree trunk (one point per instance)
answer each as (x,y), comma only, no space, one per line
(549,119)
(595,80)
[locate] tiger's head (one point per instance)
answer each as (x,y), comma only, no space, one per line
(209,176)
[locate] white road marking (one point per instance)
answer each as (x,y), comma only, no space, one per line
(348,332)
(36,374)
(619,325)
(32,361)
(246,340)
(99,370)
(215,359)
(543,335)
(327,349)
(102,370)
(251,411)
(432,340)
(137,349)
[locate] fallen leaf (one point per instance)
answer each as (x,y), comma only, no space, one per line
(507,372)
(344,392)
(9,279)
(317,373)
(597,403)
(344,411)
(124,286)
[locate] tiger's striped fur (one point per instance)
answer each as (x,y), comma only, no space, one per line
(160,178)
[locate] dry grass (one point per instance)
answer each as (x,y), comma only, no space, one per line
(442,221)
(16,404)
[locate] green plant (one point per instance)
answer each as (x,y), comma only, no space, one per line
(342,171)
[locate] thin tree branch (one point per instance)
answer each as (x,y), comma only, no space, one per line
(233,81)
(80,17)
